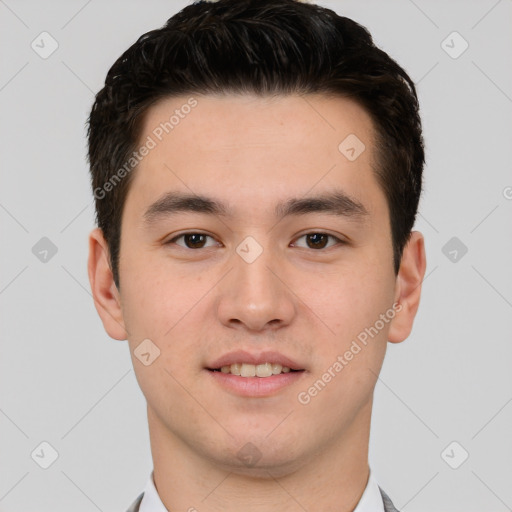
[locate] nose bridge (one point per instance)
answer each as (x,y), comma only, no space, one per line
(254,277)
(254,296)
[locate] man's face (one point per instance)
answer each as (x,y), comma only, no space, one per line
(273,275)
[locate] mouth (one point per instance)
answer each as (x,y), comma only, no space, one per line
(263,371)
(247,374)
(263,364)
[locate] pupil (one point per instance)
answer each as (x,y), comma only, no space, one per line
(317,240)
(195,240)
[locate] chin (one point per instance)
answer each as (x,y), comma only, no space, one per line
(260,456)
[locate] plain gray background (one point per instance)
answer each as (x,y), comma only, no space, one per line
(66,383)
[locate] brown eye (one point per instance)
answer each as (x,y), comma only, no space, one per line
(193,241)
(318,241)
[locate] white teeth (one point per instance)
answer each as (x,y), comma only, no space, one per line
(264,370)
(235,368)
(276,368)
(248,370)
(252,370)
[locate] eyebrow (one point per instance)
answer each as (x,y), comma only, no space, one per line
(175,202)
(335,202)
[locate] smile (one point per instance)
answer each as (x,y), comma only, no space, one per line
(255,370)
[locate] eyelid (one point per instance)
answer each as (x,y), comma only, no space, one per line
(339,241)
(181,235)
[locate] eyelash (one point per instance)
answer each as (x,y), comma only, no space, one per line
(338,240)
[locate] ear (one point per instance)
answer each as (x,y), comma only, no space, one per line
(408,287)
(104,291)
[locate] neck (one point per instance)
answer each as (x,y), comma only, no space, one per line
(331,480)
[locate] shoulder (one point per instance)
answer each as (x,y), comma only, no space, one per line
(388,504)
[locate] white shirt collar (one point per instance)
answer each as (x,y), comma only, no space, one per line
(151,502)
(371,500)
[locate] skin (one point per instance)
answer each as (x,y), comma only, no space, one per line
(307,303)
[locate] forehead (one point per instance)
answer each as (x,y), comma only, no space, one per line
(255,148)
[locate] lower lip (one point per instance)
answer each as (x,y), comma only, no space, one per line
(255,386)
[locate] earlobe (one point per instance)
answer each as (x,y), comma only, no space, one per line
(104,291)
(408,287)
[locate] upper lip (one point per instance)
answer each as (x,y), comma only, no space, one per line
(243,356)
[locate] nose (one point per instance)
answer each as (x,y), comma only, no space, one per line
(255,297)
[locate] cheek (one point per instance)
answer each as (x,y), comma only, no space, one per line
(151,295)
(143,303)
(348,360)
(167,305)
(350,300)
(168,311)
